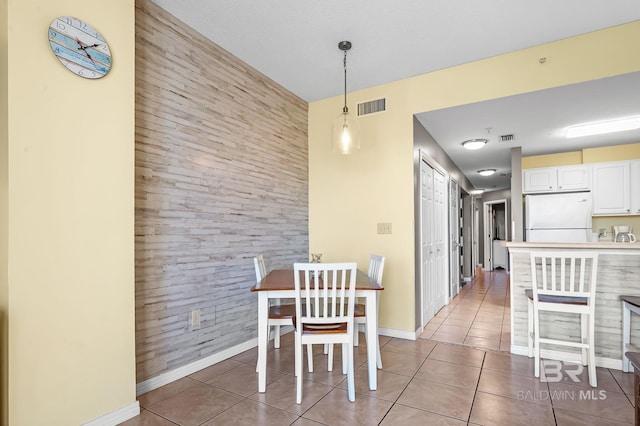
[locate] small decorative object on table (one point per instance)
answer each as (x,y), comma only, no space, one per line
(316,258)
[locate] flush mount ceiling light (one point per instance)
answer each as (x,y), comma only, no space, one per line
(345,137)
(476,191)
(602,127)
(486,172)
(473,144)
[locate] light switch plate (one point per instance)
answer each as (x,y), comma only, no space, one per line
(384,228)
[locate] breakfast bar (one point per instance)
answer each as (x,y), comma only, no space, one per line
(618,274)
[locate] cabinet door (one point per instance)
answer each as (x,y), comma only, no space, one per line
(611,193)
(635,187)
(574,178)
(539,180)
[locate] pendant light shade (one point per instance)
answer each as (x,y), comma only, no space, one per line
(345,137)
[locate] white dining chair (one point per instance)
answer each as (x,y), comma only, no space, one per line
(279,314)
(325,302)
(564,281)
(376,268)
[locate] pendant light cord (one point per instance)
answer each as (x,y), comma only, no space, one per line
(345,109)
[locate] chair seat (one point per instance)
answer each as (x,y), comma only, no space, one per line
(324,328)
(567,300)
(632,300)
(286,311)
(359,310)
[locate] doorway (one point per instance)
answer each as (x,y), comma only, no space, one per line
(495,233)
(455,238)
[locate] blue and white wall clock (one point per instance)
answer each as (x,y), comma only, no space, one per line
(79,47)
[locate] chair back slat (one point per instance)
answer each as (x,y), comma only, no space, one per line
(376,268)
(327,291)
(564,273)
(261,271)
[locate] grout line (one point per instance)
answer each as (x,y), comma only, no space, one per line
(475,392)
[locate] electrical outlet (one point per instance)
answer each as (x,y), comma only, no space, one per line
(194,321)
(384,228)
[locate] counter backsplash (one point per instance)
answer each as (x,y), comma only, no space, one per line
(608,222)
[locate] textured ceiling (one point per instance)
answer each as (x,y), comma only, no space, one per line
(295,43)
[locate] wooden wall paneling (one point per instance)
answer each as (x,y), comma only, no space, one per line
(221,176)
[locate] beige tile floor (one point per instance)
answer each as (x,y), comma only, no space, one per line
(454,374)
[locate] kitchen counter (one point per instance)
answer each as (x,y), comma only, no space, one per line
(618,274)
(608,245)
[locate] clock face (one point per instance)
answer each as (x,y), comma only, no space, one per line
(79,47)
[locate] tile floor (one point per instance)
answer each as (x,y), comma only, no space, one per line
(456,373)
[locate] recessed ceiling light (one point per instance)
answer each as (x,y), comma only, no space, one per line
(602,127)
(473,144)
(486,172)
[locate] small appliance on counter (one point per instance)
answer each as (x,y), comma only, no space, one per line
(622,234)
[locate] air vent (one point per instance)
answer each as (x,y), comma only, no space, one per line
(506,138)
(379,105)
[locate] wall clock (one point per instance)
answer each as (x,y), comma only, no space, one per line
(79,47)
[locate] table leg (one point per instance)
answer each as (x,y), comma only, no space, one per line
(263,314)
(372,338)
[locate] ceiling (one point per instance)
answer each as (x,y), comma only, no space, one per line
(295,43)
(538,123)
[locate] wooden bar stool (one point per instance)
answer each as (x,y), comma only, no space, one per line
(629,304)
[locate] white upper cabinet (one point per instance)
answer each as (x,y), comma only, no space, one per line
(635,187)
(574,178)
(556,179)
(611,188)
(540,180)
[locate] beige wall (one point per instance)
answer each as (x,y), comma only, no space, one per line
(70,220)
(376,185)
(585,156)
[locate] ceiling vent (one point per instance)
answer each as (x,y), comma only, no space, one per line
(506,138)
(379,105)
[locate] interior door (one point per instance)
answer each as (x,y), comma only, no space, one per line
(488,234)
(454,237)
(441,234)
(427,241)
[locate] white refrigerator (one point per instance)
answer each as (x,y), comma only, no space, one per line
(564,217)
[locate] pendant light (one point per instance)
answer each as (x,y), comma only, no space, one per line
(345,138)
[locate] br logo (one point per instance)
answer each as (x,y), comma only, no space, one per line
(553,371)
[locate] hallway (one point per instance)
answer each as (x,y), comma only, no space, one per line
(479,316)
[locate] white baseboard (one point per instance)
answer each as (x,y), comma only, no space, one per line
(400,334)
(407,335)
(116,417)
(615,364)
(466,279)
(180,372)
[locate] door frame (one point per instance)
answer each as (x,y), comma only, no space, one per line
(454,237)
(487,206)
(430,162)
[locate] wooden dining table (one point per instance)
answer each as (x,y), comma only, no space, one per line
(279,284)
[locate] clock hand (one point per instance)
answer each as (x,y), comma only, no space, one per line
(84,49)
(88,46)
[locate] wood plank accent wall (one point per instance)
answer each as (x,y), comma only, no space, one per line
(221,176)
